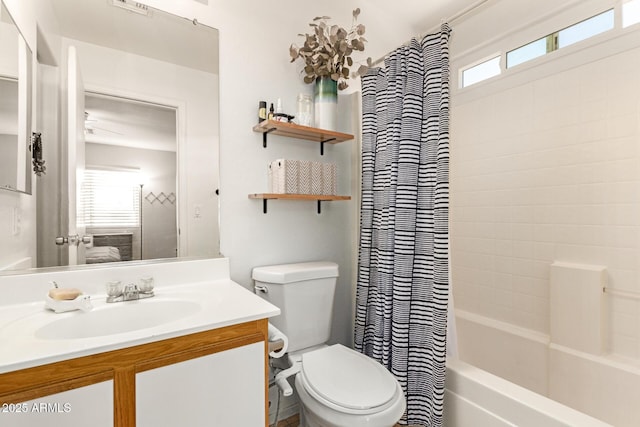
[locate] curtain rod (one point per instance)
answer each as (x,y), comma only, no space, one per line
(452,18)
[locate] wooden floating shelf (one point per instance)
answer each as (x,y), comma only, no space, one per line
(313,197)
(321,197)
(293,130)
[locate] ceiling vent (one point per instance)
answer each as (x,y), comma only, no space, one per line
(132,6)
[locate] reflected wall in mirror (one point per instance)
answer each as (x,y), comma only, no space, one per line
(129,191)
(15,106)
(150,110)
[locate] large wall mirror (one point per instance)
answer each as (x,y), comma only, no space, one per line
(15,106)
(132,153)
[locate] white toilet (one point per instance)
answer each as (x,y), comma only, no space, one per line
(337,386)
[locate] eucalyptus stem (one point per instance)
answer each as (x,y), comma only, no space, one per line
(327,50)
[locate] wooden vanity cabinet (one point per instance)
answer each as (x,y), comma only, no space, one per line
(216,377)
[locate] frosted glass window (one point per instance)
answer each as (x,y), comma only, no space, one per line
(481,71)
(585,29)
(630,13)
(527,52)
(580,31)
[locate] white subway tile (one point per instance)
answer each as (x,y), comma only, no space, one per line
(623,192)
(503,247)
(622,305)
(503,266)
(588,235)
(624,346)
(581,254)
(523,249)
(544,232)
(622,258)
(525,267)
(592,131)
(622,215)
(623,279)
(503,230)
(624,324)
(522,232)
(543,251)
(623,170)
(476,245)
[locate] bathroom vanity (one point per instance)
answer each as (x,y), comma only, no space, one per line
(195,355)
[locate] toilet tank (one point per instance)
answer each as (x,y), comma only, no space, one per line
(304,293)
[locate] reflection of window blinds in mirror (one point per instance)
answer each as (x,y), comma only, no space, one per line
(110,198)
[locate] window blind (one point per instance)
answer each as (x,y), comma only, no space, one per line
(111,198)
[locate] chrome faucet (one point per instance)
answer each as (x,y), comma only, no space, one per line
(131,291)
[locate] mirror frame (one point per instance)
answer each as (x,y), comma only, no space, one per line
(25,112)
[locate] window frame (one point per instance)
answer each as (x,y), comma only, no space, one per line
(553,43)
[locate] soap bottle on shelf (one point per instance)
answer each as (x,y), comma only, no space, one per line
(271,112)
(262,111)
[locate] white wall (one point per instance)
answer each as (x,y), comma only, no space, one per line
(17,229)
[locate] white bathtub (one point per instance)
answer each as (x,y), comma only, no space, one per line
(528,368)
(476,398)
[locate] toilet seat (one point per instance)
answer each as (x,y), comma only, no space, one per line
(348,381)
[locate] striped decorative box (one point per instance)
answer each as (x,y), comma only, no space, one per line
(329,179)
(316,178)
(284,176)
(302,177)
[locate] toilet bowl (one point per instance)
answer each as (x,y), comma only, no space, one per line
(339,387)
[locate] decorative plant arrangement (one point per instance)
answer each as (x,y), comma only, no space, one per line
(327,50)
(36,148)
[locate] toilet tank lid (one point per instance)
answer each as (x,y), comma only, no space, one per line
(287,273)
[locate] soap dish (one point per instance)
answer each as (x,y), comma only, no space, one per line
(82,302)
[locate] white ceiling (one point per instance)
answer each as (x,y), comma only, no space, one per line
(123,122)
(159,35)
(420,15)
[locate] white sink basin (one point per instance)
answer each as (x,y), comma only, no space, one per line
(117,318)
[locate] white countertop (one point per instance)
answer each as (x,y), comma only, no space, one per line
(221,302)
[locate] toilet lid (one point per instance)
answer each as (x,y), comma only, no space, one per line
(347,378)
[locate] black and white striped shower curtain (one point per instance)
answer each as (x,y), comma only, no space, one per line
(402,292)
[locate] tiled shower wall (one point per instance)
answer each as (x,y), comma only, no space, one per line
(546,166)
